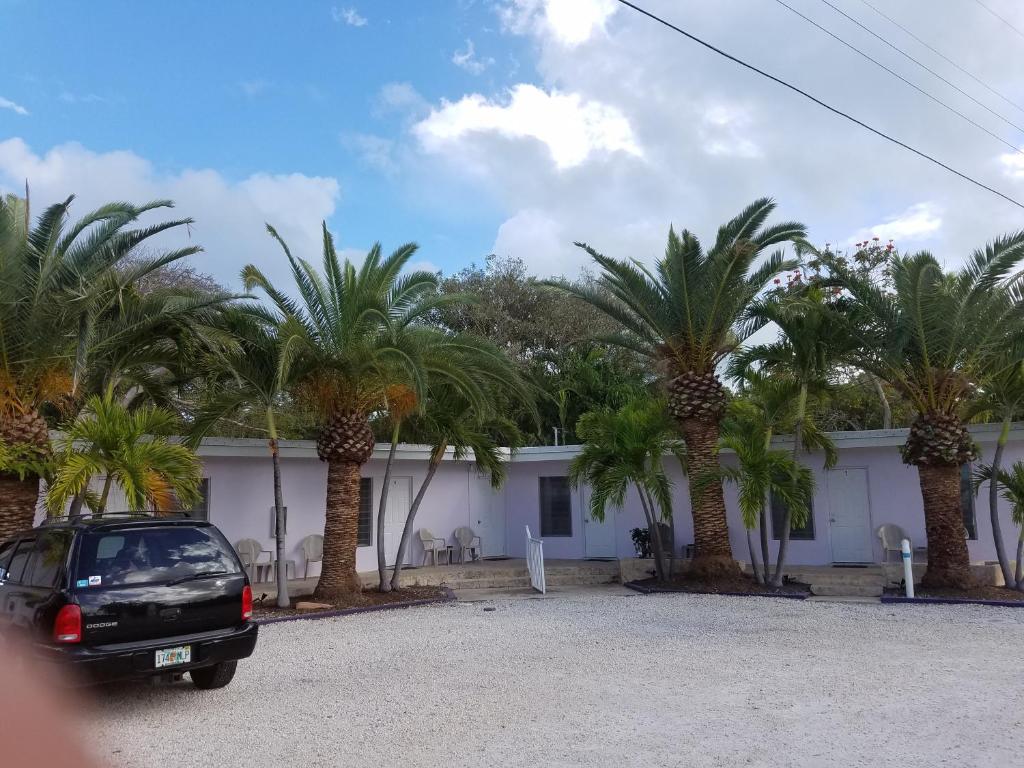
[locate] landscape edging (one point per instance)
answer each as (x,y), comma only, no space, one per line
(646,590)
(447,597)
(893,599)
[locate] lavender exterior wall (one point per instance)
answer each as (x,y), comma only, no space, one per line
(241,496)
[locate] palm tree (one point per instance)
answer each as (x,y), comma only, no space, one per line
(624,448)
(1012,482)
(55,280)
(1001,396)
(128,448)
(934,338)
(354,333)
(763,472)
(685,316)
(813,339)
(256,377)
(452,422)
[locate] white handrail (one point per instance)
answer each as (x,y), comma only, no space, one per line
(535,562)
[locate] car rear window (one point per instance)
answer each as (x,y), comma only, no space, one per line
(151,555)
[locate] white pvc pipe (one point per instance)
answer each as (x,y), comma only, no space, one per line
(908,567)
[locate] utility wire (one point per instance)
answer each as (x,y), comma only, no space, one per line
(819,102)
(943,56)
(898,76)
(1001,18)
(926,68)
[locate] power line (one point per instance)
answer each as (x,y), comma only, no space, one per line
(1001,18)
(898,76)
(907,56)
(943,56)
(819,102)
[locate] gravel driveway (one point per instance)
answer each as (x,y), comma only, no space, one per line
(599,681)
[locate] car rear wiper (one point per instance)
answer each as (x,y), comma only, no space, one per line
(193,576)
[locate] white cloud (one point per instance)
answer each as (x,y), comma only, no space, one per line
(8,104)
(1013,165)
(375,151)
(254,87)
(230,215)
(400,97)
(570,127)
(469,61)
(349,16)
(570,22)
(922,221)
(724,132)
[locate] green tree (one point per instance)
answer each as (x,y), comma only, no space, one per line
(812,340)
(254,377)
(686,316)
(1012,482)
(354,333)
(763,472)
(130,449)
(626,447)
(450,421)
(55,281)
(934,338)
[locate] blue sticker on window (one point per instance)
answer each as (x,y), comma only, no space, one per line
(82,583)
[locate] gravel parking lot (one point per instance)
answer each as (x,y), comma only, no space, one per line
(600,681)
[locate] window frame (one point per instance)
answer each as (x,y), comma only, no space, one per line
(367,499)
(31,543)
(795,534)
(545,534)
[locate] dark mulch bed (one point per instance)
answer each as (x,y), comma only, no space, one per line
(370,600)
(981,594)
(744,586)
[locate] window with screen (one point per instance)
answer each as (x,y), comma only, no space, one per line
(201,510)
(365,512)
(805,532)
(555,507)
(967,502)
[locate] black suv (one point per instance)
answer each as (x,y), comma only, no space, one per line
(122,597)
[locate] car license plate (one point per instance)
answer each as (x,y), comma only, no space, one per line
(168,657)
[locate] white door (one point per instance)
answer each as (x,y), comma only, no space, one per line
(487,515)
(849,516)
(395,514)
(598,535)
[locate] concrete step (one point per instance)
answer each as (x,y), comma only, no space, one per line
(846,590)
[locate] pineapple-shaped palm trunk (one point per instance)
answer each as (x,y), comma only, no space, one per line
(19,497)
(697,403)
(939,445)
(345,443)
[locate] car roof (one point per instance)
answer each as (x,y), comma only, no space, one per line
(115,521)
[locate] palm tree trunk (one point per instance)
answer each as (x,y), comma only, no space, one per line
(101,507)
(338,577)
(713,553)
(18,502)
(993,504)
(281,569)
(383,584)
(1019,579)
(652,526)
(435,462)
(884,400)
(763,524)
(948,560)
(754,565)
(787,520)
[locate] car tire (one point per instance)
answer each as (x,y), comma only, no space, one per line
(217,676)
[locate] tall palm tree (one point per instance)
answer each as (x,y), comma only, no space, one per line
(257,376)
(686,316)
(354,332)
(934,338)
(450,421)
(813,339)
(55,280)
(1012,482)
(128,448)
(763,472)
(624,448)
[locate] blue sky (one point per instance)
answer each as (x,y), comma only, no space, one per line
(514,126)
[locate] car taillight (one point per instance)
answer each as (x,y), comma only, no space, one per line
(67,627)
(246,602)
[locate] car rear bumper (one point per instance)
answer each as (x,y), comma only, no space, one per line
(126,661)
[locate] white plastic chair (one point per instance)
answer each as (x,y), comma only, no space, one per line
(432,546)
(251,551)
(468,541)
(313,551)
(892,536)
